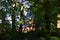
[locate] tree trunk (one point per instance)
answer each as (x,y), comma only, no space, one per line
(13,16)
(47,14)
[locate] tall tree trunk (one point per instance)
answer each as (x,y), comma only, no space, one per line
(20,28)
(47,22)
(47,14)
(13,16)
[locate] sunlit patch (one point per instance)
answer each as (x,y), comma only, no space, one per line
(58,24)
(25,13)
(0,21)
(58,16)
(58,21)
(13,5)
(28,29)
(17,29)
(26,4)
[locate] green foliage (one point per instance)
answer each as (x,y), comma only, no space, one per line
(54,38)
(42,38)
(39,8)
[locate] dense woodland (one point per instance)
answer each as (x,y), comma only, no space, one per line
(45,15)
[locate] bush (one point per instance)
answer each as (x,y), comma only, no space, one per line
(42,38)
(54,38)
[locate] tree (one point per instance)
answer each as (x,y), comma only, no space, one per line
(45,13)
